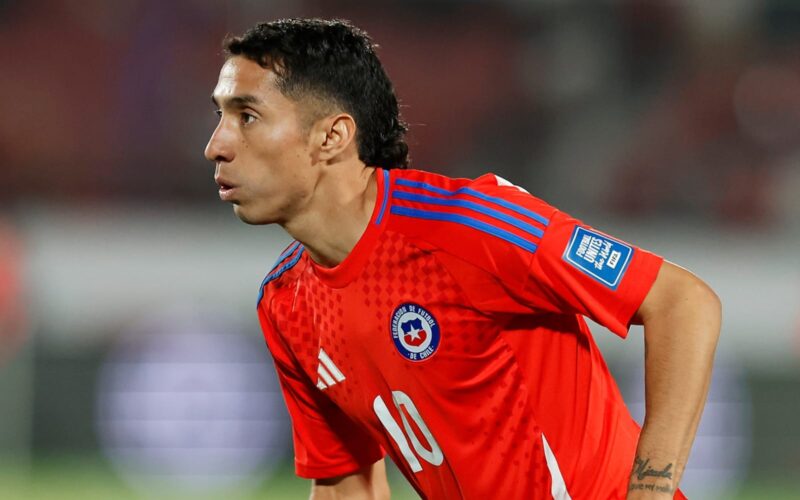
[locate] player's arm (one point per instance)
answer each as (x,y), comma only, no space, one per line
(681,318)
(368,483)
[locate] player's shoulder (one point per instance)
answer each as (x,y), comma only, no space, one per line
(418,178)
(285,270)
(463,216)
(489,189)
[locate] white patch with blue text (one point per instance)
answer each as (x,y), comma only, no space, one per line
(599,256)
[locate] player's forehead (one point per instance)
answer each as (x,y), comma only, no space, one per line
(240,76)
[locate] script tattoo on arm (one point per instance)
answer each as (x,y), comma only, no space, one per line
(642,470)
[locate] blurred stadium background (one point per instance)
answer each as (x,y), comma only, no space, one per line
(131,364)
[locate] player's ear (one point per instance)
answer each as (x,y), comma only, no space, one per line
(337,135)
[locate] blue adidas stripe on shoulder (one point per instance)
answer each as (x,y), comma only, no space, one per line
(477,194)
(290,249)
(385,196)
(467,221)
(278,269)
(477,207)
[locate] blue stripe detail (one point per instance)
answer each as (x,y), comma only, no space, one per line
(385,196)
(277,274)
(285,254)
(423,185)
(524,226)
(477,194)
(467,221)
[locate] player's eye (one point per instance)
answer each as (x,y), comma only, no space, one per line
(218,112)
(247,118)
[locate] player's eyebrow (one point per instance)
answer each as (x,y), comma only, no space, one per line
(237,101)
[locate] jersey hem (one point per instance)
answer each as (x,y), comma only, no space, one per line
(329,471)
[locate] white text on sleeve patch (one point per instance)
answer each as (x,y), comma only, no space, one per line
(599,256)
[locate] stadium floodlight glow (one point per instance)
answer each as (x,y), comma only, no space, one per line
(187,401)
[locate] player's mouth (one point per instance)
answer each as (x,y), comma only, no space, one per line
(227,191)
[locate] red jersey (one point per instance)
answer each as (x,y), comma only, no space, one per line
(452,337)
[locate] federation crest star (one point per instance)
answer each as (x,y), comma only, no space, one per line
(413,333)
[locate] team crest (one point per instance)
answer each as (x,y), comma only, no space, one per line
(415,332)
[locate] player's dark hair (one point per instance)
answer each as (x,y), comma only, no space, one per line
(334,61)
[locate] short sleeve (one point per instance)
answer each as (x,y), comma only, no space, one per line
(565,265)
(326,442)
(579,269)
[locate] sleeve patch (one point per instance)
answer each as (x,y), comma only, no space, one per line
(600,257)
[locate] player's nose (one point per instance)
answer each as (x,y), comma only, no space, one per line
(220,146)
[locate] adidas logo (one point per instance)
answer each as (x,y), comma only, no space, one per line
(328,373)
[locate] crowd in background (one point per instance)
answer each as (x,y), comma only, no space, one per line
(684,109)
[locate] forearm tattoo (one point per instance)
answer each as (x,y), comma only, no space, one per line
(642,470)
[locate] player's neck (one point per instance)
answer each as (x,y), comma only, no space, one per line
(337,214)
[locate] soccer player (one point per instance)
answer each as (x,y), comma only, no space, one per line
(440,320)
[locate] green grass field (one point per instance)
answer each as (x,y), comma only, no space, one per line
(93,479)
(71,478)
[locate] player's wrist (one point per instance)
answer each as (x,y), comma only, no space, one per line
(653,476)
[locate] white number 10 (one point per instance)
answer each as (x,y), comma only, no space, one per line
(430,453)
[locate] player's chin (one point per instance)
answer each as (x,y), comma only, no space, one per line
(250,216)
